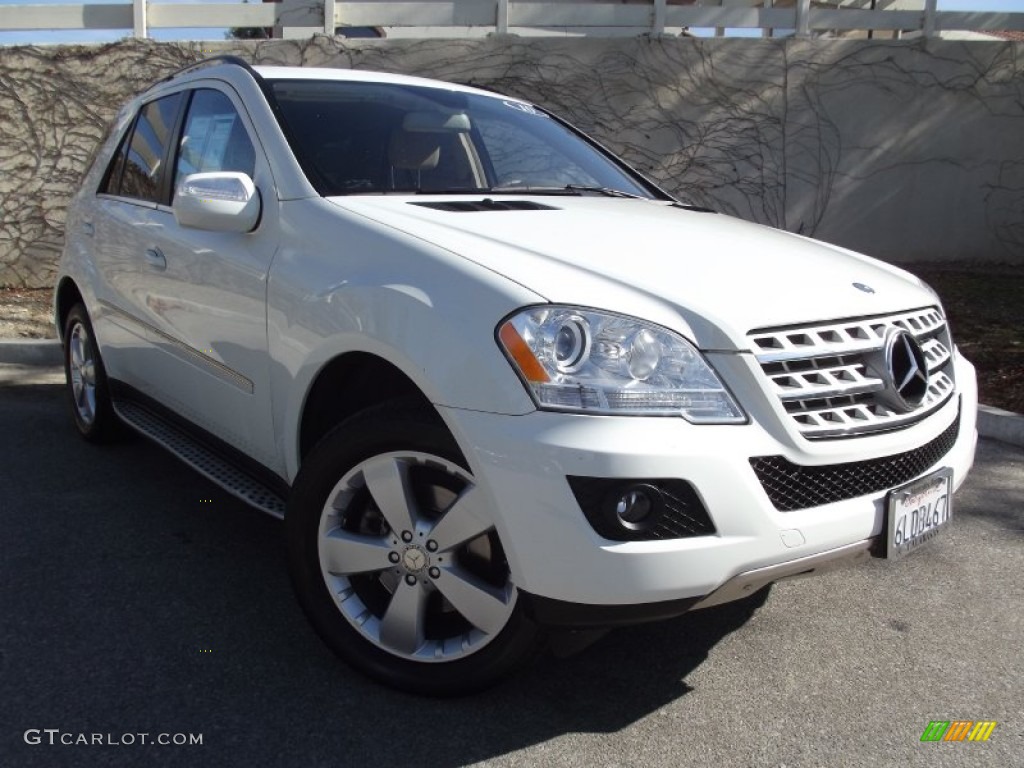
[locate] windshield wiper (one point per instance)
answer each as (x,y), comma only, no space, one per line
(691,207)
(606,191)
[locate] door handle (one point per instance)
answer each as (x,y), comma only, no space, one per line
(155,258)
(88,228)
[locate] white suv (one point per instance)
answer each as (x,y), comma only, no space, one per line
(496,382)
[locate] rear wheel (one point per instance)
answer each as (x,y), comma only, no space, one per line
(396,560)
(87,386)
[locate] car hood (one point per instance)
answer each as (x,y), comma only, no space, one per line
(712,277)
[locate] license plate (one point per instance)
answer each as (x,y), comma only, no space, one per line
(918,511)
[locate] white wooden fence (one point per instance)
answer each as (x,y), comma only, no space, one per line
(626,17)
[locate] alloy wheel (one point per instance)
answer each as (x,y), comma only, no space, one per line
(411,560)
(82,368)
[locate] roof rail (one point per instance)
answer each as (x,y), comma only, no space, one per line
(212,60)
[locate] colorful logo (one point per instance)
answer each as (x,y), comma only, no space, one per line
(958,730)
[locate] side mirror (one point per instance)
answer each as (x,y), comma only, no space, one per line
(221,202)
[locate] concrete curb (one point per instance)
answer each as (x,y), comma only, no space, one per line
(995,423)
(31,352)
(998,424)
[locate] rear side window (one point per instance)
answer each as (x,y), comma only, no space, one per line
(112,176)
(138,168)
(215,138)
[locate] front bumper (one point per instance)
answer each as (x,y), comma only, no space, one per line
(566,615)
(523,462)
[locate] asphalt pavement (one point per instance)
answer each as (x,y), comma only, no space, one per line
(138,598)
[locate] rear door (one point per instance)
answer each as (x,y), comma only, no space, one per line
(123,219)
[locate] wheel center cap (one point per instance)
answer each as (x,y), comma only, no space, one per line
(414,559)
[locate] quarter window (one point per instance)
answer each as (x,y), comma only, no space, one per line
(215,138)
(112,178)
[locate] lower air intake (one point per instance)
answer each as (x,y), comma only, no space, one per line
(791,486)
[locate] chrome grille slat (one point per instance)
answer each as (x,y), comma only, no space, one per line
(853,336)
(810,352)
(829,378)
(936,354)
(825,382)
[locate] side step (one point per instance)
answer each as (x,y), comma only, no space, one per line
(205,461)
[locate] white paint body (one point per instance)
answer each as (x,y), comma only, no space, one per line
(425,290)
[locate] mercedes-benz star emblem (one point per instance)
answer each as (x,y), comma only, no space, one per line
(414,559)
(906,368)
(863,287)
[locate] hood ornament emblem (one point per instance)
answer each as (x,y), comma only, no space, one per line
(863,287)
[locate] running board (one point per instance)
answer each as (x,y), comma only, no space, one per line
(205,461)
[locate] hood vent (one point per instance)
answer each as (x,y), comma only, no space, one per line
(487,204)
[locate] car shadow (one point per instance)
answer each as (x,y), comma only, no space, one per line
(178,616)
(995,481)
(622,679)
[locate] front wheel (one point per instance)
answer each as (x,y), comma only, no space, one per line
(396,561)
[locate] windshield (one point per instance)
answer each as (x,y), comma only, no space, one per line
(366,138)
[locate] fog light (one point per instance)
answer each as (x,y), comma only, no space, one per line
(636,507)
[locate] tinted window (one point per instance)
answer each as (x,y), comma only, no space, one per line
(214,139)
(112,178)
(354,137)
(144,163)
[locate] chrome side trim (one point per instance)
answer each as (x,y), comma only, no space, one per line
(185,352)
(747,583)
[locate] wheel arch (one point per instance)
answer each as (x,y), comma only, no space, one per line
(65,297)
(350,383)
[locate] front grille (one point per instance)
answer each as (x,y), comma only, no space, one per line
(791,486)
(831,377)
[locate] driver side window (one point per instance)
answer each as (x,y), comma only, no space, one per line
(214,138)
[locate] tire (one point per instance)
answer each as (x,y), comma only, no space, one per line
(406,585)
(87,386)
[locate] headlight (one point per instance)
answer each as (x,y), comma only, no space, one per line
(584,360)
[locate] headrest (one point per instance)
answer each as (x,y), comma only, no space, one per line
(414,151)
